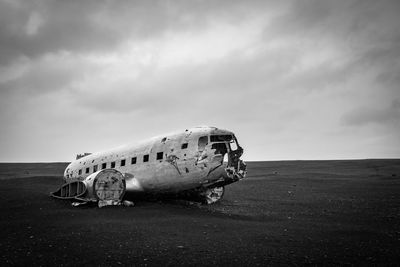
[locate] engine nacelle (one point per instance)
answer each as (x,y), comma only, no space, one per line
(105,185)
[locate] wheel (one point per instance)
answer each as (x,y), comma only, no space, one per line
(212,195)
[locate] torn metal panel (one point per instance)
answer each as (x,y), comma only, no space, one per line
(70,190)
(110,202)
(212,195)
(77,204)
(172,159)
(106,186)
(79,156)
(198,160)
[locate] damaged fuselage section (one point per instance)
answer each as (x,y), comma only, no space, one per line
(200,161)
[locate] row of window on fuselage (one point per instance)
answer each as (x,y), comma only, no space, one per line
(160,156)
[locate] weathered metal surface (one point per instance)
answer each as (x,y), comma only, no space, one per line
(172,163)
(212,195)
(79,156)
(71,190)
(105,186)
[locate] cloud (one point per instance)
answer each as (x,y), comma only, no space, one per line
(34,28)
(302,76)
(51,73)
(366,115)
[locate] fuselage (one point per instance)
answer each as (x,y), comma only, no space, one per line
(185,160)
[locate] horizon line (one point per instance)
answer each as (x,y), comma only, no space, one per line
(349,159)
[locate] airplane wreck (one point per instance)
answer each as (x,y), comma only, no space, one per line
(199,161)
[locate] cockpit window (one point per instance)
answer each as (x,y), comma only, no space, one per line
(220,148)
(203,141)
(221,138)
(233,145)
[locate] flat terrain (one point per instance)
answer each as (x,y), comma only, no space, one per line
(283,213)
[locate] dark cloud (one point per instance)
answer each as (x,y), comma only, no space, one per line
(60,25)
(78,26)
(367,31)
(351,20)
(50,74)
(33,28)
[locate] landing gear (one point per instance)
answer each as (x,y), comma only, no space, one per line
(212,195)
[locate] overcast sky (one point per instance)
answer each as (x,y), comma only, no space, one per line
(306,79)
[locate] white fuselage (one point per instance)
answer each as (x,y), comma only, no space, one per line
(170,163)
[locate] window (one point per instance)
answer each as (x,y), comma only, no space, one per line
(184,146)
(145,158)
(133,160)
(123,162)
(113,164)
(233,145)
(95,168)
(203,141)
(160,155)
(220,148)
(87,170)
(80,171)
(221,138)
(103,166)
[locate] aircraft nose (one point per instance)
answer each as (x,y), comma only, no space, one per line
(242,169)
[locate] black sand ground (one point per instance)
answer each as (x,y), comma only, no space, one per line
(284,213)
